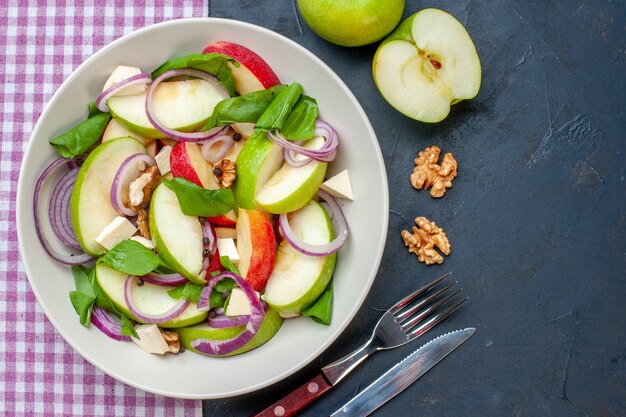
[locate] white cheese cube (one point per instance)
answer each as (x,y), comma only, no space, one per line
(150,339)
(227,247)
(339,186)
(226,232)
(120,74)
(146,242)
(116,231)
(162,160)
(238,303)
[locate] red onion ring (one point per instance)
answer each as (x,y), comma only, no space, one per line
(165,280)
(175,134)
(64,259)
(318,250)
(257,314)
(101,101)
(212,157)
(126,173)
(59,209)
(168,315)
(104,321)
(326,153)
(221,321)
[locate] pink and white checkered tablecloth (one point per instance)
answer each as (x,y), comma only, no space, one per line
(41,43)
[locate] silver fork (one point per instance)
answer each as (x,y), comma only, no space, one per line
(405,321)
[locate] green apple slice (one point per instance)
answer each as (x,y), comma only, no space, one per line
(290,188)
(150,299)
(427,64)
(259,159)
(177,237)
(297,280)
(90,203)
(269,327)
(181,105)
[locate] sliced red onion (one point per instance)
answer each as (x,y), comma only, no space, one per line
(165,280)
(257,314)
(79,259)
(341,231)
(221,321)
(175,134)
(59,209)
(130,169)
(213,156)
(107,324)
(208,233)
(168,315)
(101,101)
(326,153)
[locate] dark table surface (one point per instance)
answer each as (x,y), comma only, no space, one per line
(536,217)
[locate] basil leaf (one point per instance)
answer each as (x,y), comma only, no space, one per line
(229,266)
(300,125)
(276,114)
(82,281)
(216,300)
(81,137)
(83,297)
(215,64)
(197,201)
(243,109)
(93,110)
(131,257)
(322,309)
(189,291)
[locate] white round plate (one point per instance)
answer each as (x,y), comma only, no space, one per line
(299,341)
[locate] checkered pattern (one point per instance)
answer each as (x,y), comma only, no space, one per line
(40,45)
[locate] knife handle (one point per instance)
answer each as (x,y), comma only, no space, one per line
(298,399)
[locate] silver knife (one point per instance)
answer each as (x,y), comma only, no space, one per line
(403,374)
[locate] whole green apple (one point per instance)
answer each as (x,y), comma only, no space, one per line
(351,22)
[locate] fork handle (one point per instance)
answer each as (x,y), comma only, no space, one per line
(298,399)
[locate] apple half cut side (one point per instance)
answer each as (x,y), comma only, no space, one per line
(427,64)
(269,327)
(90,204)
(176,236)
(256,246)
(253,73)
(180,105)
(186,161)
(297,279)
(150,299)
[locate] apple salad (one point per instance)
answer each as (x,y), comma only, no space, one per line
(195,206)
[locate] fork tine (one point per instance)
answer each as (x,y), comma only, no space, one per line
(406,300)
(418,306)
(409,323)
(423,328)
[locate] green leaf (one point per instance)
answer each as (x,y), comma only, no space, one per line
(322,309)
(276,114)
(128,328)
(216,64)
(81,137)
(197,201)
(83,304)
(243,109)
(300,125)
(82,281)
(229,266)
(189,291)
(93,110)
(131,257)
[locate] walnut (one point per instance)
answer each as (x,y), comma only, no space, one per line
(225,172)
(143,224)
(140,190)
(171,338)
(427,173)
(424,239)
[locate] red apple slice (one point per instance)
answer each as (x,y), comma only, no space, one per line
(186,161)
(253,74)
(229,219)
(256,246)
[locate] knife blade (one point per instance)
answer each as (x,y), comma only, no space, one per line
(403,374)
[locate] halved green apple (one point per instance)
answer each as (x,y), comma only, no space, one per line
(297,280)
(427,64)
(290,188)
(269,327)
(259,159)
(177,237)
(181,105)
(149,299)
(90,203)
